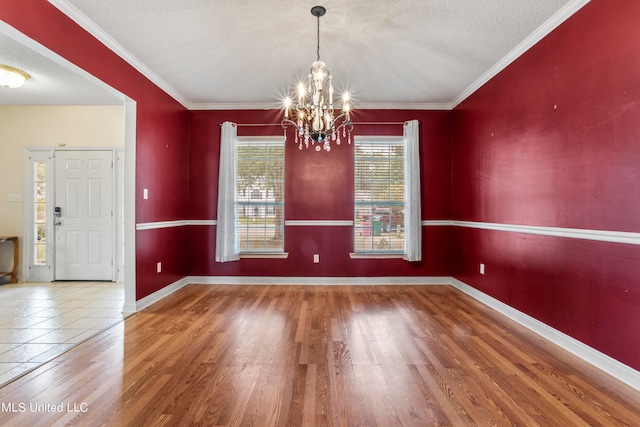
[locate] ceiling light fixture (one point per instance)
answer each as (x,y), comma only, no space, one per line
(314,121)
(12,77)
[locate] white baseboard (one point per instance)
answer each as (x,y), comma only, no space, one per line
(616,369)
(611,366)
(129,308)
(282,280)
(158,295)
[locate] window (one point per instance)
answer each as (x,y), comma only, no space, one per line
(379,195)
(259,218)
(39,246)
(40,213)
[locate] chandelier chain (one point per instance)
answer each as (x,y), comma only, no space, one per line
(318,39)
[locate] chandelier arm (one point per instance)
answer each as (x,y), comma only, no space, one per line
(346,121)
(287,122)
(346,115)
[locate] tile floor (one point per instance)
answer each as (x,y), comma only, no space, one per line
(39,321)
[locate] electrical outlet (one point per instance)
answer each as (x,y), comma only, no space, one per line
(481,268)
(145,194)
(316,258)
(159,267)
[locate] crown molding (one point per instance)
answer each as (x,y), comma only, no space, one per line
(558,18)
(360,106)
(81,19)
(234,106)
(551,24)
(445,106)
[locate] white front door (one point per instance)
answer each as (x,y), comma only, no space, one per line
(83,215)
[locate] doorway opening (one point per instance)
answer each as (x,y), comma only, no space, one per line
(30,50)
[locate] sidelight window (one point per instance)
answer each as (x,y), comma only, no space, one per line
(40,213)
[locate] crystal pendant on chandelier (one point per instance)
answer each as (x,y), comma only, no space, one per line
(314,119)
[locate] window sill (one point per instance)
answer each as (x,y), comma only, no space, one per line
(271,255)
(372,255)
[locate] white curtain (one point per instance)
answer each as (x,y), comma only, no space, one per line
(412,211)
(226,248)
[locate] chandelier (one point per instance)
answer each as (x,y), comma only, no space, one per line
(314,120)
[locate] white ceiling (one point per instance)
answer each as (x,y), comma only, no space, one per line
(227,54)
(54,81)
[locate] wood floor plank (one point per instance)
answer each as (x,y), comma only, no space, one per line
(318,356)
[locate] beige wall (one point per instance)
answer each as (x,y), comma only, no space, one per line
(46,126)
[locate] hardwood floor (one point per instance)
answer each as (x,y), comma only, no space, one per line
(318,355)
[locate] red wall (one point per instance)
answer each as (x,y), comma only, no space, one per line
(319,186)
(161,132)
(553,141)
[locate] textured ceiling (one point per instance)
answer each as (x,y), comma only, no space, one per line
(54,81)
(388,54)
